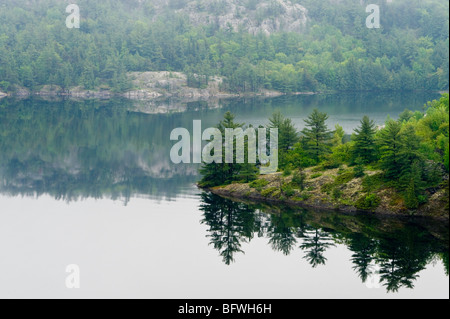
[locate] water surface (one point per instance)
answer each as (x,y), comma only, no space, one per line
(91,183)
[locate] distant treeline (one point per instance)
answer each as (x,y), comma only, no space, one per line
(336,51)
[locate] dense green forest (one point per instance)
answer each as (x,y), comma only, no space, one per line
(409,155)
(335,51)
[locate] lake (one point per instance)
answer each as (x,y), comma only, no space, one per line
(91,184)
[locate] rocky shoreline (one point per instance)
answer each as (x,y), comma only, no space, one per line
(271,190)
(146,86)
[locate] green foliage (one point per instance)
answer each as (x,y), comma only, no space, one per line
(288,190)
(337,193)
(358,170)
(338,136)
(414,186)
(316,136)
(316,175)
(411,199)
(298,180)
(297,158)
(216,174)
(327,188)
(259,184)
(364,147)
(433,129)
(344,178)
(391,143)
(373,183)
(334,187)
(331,162)
(368,202)
(335,51)
(269,191)
(287,171)
(413,164)
(287,133)
(304,196)
(446,158)
(342,153)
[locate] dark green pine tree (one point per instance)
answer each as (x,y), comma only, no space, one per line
(358,170)
(212,175)
(365,147)
(287,133)
(216,174)
(287,136)
(410,150)
(391,144)
(316,136)
(414,186)
(248,172)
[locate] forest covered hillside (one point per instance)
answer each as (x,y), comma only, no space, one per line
(286,46)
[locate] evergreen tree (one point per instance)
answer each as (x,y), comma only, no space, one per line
(316,136)
(365,146)
(414,186)
(358,170)
(287,133)
(410,150)
(215,174)
(390,142)
(411,200)
(338,135)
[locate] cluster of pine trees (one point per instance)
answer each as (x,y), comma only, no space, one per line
(336,51)
(412,152)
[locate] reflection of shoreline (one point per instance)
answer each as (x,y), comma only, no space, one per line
(400,248)
(438,228)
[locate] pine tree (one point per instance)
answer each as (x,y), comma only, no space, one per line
(358,170)
(287,133)
(411,200)
(390,142)
(216,174)
(365,147)
(338,135)
(247,173)
(414,187)
(316,136)
(410,150)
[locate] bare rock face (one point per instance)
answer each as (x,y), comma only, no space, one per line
(153,85)
(254,16)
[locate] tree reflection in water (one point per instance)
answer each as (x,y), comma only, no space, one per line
(315,243)
(401,250)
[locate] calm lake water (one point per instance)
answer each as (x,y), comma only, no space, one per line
(91,184)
